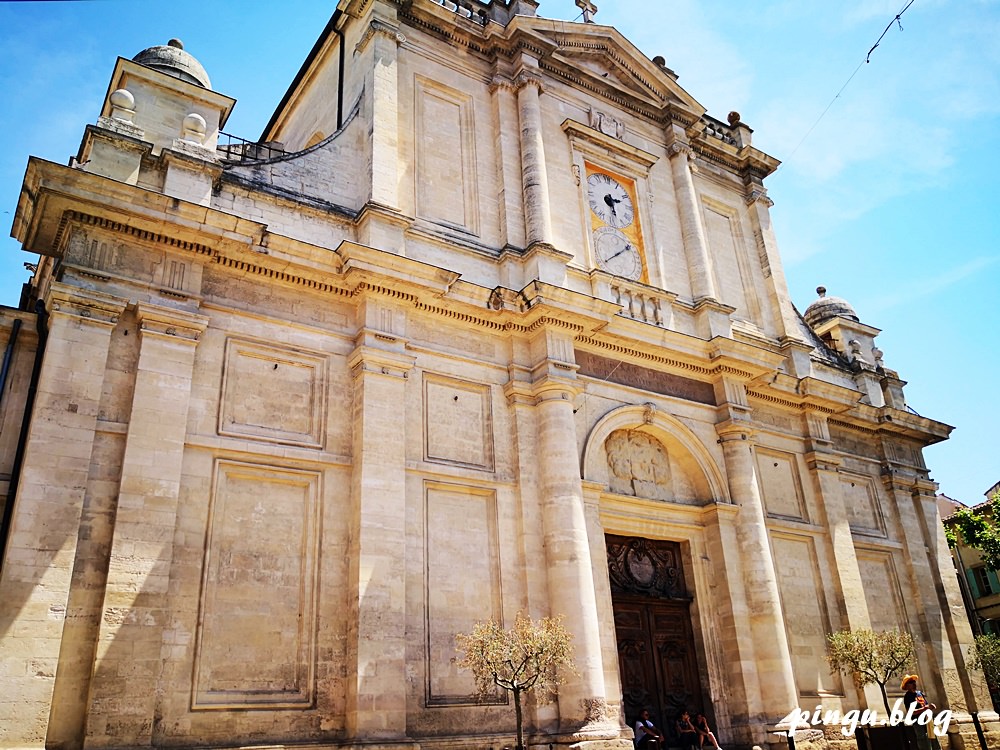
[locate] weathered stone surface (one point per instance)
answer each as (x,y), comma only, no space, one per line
(307,411)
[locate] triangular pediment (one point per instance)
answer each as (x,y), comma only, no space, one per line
(600,57)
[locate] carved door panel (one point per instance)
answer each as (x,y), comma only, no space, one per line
(656,653)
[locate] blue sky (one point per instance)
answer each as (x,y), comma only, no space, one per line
(891,201)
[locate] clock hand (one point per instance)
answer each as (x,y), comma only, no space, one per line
(611,203)
(627,247)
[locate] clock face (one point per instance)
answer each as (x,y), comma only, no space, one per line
(616,254)
(609,200)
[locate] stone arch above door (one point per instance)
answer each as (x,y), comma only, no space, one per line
(642,451)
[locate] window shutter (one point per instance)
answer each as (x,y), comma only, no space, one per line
(991,575)
(970,574)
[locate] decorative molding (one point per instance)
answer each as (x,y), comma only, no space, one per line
(378,27)
(165,321)
(758,194)
(89,306)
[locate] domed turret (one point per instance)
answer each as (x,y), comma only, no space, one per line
(827,308)
(170,58)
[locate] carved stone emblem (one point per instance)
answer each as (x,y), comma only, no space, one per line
(645,566)
(639,465)
(607,124)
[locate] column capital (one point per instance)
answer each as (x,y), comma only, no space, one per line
(757,194)
(822,461)
(85,304)
(735,430)
(679,147)
(500,81)
(381,28)
(525,77)
(545,388)
(170,322)
(369,360)
(896,481)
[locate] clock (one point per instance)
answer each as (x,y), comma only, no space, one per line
(609,200)
(616,254)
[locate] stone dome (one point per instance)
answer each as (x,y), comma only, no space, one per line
(827,308)
(170,58)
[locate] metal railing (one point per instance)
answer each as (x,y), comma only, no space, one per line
(232,148)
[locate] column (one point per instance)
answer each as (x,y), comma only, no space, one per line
(35,582)
(376,649)
(582,707)
(537,219)
(136,600)
(770,642)
(692,229)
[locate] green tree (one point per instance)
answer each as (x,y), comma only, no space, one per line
(870,656)
(531,656)
(978,529)
(985,655)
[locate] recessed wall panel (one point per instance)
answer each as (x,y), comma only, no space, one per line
(806,619)
(458,422)
(271,393)
(462,583)
(255,644)
(780,483)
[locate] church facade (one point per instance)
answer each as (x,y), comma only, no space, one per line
(490,321)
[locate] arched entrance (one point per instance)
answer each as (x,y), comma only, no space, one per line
(656,651)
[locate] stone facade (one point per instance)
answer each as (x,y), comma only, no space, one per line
(494,322)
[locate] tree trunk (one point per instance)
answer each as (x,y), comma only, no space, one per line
(517,715)
(885,699)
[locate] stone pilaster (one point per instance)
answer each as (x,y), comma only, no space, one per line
(967,690)
(505,112)
(846,575)
(376,649)
(41,551)
(773,663)
(692,229)
(383,39)
(920,544)
(758,209)
(136,601)
(538,224)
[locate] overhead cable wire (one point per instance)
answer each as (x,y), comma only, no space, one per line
(868,57)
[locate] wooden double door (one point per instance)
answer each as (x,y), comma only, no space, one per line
(656,650)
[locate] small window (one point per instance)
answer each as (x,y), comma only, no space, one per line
(985,581)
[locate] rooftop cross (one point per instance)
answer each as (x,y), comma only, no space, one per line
(588,8)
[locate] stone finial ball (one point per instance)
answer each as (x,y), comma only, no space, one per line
(176,43)
(122,99)
(194,124)
(734,117)
(658,60)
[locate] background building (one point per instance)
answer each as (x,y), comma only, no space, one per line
(492,319)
